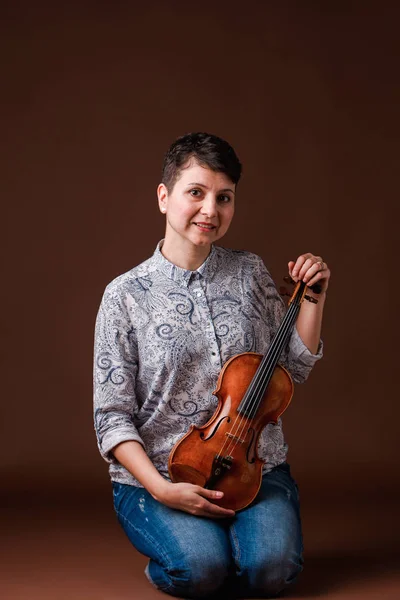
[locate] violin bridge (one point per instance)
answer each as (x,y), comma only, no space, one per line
(234,437)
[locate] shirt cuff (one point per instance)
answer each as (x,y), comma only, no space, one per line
(113,438)
(302,353)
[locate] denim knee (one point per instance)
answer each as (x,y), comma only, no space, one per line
(266,576)
(193,576)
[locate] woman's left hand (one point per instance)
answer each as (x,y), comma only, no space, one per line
(311,269)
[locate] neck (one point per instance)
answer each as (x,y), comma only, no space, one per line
(185,256)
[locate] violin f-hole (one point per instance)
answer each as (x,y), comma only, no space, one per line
(215,429)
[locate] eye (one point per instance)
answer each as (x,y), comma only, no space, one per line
(195,192)
(224,198)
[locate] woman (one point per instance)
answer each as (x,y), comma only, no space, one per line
(164,330)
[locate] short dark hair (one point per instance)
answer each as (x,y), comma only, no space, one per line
(207,149)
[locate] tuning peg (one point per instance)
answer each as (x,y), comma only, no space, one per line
(283,291)
(288,279)
(316,288)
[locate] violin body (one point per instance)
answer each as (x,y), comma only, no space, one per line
(222,454)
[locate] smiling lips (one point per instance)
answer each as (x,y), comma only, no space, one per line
(205,226)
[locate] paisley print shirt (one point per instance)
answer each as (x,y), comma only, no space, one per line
(162,336)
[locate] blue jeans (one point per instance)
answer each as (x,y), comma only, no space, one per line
(257,553)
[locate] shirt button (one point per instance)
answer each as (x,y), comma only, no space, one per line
(213,353)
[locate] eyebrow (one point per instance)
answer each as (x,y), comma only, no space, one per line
(207,188)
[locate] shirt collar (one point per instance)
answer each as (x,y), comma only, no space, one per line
(182,276)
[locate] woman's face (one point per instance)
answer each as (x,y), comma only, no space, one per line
(200,207)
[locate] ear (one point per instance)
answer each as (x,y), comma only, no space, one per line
(162,194)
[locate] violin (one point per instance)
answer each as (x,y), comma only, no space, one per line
(252,390)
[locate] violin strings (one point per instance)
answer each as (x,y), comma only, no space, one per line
(276,349)
(264,381)
(259,384)
(269,372)
(255,383)
(271,355)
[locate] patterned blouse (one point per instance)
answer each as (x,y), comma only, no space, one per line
(162,336)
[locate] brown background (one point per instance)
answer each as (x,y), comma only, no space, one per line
(93,94)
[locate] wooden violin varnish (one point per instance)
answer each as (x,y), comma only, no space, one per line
(252,390)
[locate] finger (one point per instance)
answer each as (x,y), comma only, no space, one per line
(308,264)
(290,266)
(213,510)
(312,270)
(317,278)
(213,514)
(212,494)
(321,275)
(299,264)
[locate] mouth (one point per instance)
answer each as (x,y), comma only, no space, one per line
(205,226)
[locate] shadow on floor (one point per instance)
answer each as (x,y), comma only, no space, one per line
(331,572)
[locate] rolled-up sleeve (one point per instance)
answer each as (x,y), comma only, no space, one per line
(298,359)
(115,368)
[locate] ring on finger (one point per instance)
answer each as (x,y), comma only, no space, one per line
(322,265)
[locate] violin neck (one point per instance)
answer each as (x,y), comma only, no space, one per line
(255,393)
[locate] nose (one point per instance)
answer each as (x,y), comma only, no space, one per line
(209,206)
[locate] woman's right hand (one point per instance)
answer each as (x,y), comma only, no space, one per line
(182,496)
(193,499)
